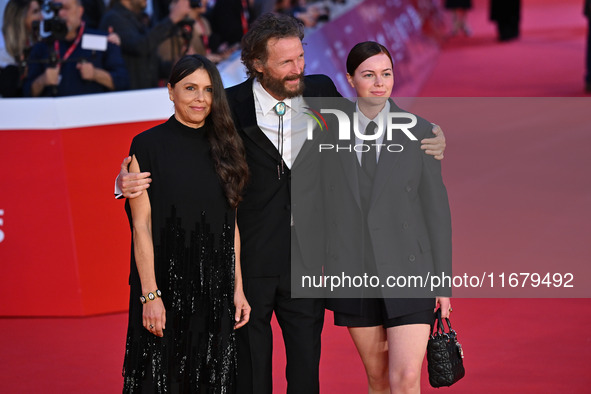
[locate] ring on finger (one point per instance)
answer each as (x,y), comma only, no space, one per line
(151,326)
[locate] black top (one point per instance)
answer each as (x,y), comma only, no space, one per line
(193,235)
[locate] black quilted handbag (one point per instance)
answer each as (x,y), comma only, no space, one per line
(444,355)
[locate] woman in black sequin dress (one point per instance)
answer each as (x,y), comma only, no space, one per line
(186,295)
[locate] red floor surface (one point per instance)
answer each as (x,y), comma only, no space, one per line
(546,61)
(511,345)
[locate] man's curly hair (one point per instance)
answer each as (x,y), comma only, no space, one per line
(266,27)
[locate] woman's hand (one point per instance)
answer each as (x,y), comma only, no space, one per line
(154,317)
(445,304)
(242,314)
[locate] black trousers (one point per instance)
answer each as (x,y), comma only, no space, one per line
(301,321)
(506,14)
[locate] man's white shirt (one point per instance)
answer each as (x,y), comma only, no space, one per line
(294,122)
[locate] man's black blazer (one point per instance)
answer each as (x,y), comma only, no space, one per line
(264,216)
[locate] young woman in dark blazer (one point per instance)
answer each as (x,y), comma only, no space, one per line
(392,219)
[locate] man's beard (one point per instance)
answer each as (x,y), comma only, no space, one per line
(277,86)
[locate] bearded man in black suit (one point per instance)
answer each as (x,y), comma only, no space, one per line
(273,54)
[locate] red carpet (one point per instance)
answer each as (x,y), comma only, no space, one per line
(511,345)
(546,61)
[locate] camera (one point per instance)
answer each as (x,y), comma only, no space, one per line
(185,27)
(52,27)
(195,3)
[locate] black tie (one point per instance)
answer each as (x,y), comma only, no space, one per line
(369,159)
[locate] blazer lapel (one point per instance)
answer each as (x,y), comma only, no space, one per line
(351,172)
(247,120)
(306,149)
(311,147)
(388,160)
(318,135)
(347,160)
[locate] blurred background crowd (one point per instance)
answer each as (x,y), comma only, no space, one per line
(69,47)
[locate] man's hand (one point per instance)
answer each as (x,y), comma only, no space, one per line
(434,146)
(242,314)
(86,70)
(178,10)
(113,37)
(132,184)
(52,75)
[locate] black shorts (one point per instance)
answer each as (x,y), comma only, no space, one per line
(375,314)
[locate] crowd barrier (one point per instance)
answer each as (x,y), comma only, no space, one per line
(64,239)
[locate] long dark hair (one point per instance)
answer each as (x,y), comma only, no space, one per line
(226,146)
(266,27)
(16,36)
(363,51)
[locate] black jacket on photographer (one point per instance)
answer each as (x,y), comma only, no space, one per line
(139,44)
(71,82)
(11,80)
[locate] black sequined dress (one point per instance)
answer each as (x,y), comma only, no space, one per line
(193,235)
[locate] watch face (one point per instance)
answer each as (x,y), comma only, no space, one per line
(151,296)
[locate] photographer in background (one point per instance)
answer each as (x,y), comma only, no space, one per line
(309,14)
(139,42)
(230,20)
(73,60)
(18,38)
(192,36)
